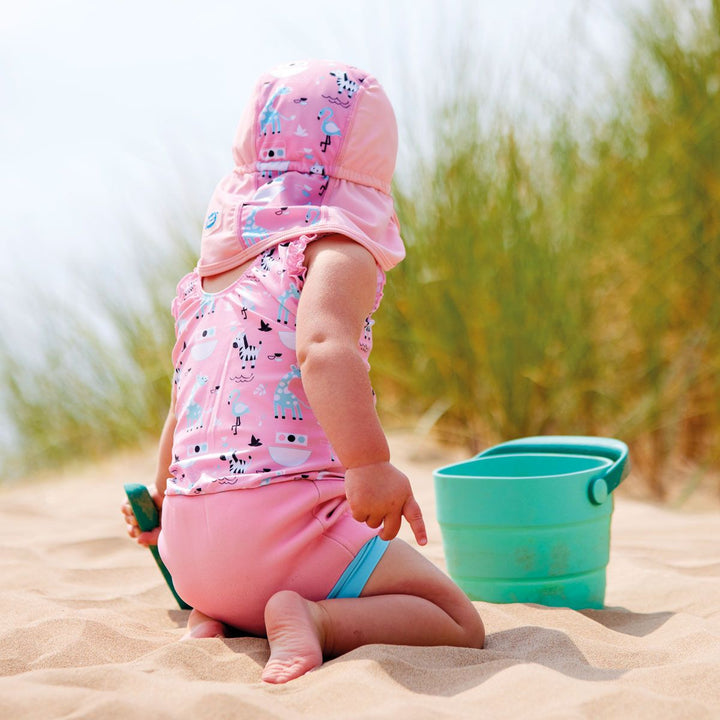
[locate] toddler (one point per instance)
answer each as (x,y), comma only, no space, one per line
(280,507)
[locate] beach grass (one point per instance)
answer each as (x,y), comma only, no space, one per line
(99,381)
(569,281)
(563,279)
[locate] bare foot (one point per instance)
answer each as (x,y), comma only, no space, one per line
(294,631)
(203,626)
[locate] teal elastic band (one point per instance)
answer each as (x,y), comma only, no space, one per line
(357,573)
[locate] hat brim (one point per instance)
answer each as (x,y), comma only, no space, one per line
(245,220)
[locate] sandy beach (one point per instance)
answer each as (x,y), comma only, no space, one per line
(88,628)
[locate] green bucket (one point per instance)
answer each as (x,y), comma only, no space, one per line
(529,520)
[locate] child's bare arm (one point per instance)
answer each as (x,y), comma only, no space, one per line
(337,297)
(158,491)
(165,447)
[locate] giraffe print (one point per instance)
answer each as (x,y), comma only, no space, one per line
(252,232)
(283,310)
(207,306)
(270,116)
(195,409)
(285,399)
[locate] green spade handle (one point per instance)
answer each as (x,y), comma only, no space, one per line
(148,519)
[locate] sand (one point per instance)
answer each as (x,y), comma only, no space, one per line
(89,630)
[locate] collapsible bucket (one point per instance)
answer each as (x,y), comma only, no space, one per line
(529,520)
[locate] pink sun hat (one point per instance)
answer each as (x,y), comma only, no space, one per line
(314,154)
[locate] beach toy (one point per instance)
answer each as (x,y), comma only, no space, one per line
(529,520)
(148,519)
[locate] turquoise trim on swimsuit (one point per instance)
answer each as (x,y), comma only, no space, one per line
(357,573)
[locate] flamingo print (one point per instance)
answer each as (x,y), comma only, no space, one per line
(238,409)
(328,127)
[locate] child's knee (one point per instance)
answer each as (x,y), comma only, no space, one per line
(469,620)
(475,631)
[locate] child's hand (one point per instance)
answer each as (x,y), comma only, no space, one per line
(379,494)
(143,538)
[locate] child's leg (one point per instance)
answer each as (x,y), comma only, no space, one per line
(406,601)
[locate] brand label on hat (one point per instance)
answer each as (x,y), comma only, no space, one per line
(212,222)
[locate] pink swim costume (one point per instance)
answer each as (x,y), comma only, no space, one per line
(255,502)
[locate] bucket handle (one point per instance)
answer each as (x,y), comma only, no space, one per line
(609,448)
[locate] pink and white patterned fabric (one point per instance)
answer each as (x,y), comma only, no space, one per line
(243,419)
(314,153)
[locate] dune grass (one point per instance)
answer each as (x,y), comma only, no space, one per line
(570,282)
(563,280)
(99,380)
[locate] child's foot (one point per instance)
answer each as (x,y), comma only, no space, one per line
(203,626)
(294,631)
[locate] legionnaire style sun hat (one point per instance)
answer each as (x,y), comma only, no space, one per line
(314,154)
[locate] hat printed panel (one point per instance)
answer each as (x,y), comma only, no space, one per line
(304,114)
(292,200)
(314,152)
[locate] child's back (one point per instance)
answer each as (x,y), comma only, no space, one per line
(243,417)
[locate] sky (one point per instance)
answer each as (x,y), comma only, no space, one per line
(113,115)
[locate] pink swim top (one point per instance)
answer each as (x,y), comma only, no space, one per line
(314,155)
(242,417)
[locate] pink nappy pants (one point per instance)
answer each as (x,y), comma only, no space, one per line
(229,552)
